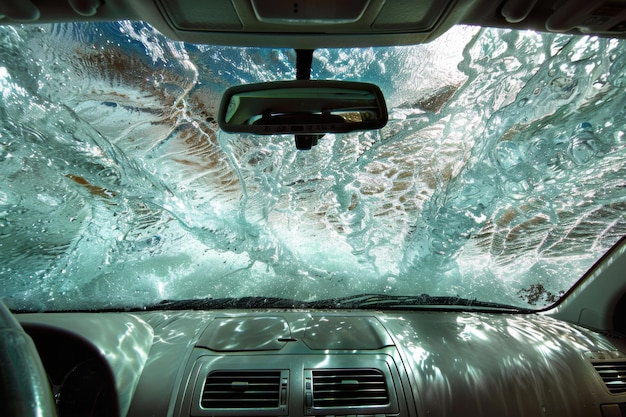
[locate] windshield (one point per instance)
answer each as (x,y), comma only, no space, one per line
(499,177)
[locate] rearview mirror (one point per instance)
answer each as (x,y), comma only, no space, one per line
(302,107)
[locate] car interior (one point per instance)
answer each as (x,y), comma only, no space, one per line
(360,357)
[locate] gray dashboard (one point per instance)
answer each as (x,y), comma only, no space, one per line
(349,363)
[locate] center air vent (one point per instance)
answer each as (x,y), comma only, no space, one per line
(347,388)
(613,375)
(229,390)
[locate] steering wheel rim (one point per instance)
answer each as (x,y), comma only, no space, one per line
(25,390)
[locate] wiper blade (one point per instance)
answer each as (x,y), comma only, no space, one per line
(225,303)
(384,301)
(361,301)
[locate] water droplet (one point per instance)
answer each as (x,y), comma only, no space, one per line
(584,144)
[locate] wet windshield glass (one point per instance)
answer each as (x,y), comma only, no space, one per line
(499,177)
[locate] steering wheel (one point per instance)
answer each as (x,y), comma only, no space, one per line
(24,387)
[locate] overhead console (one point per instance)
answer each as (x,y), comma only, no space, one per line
(312,22)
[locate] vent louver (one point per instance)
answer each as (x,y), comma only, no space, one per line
(613,374)
(349,388)
(242,390)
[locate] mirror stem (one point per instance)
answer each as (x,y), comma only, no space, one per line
(304,62)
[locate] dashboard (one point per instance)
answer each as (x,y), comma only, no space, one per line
(327,363)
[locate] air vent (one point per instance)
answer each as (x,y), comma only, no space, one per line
(613,374)
(349,388)
(244,390)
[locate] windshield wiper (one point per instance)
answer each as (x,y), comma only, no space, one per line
(383,301)
(225,303)
(361,301)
